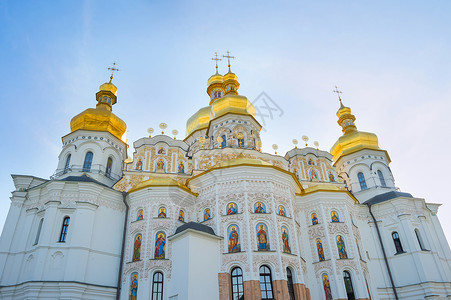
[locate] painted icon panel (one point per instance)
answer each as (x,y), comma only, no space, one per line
(232,208)
(259,208)
(314,219)
(207,214)
(133,294)
(341,247)
(285,240)
(160,241)
(282,211)
(262,237)
(319,248)
(140,215)
(326,286)
(234,238)
(181,216)
(334,217)
(162,212)
(137,247)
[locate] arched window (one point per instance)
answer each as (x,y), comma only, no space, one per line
(237,284)
(348,285)
(381,178)
(290,284)
(64,229)
(88,162)
(38,233)
(266,283)
(66,166)
(157,286)
(397,241)
(362,181)
(224,141)
(420,240)
(109,166)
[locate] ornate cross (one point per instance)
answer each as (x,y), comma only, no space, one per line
(112,69)
(228,58)
(216,59)
(338,93)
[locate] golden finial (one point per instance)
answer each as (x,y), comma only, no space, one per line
(163,126)
(305,139)
(316,144)
(295,142)
(112,69)
(338,94)
(275,147)
(228,58)
(150,131)
(216,59)
(175,132)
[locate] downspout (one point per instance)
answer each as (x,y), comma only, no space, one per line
(124,234)
(383,252)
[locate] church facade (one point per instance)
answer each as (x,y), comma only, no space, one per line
(213,217)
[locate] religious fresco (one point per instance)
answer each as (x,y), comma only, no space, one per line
(313,175)
(334,217)
(311,162)
(341,247)
(162,212)
(262,237)
(259,208)
(137,248)
(232,208)
(133,294)
(331,177)
(319,248)
(181,168)
(234,238)
(161,150)
(207,214)
(139,164)
(160,241)
(140,215)
(282,211)
(326,286)
(181,216)
(285,240)
(314,219)
(160,165)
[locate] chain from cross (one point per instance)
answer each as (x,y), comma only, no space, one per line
(216,59)
(338,93)
(228,56)
(113,69)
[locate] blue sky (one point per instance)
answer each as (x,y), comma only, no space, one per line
(391,59)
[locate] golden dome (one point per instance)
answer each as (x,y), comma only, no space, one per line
(230,76)
(101,118)
(108,86)
(216,78)
(232,104)
(352,140)
(199,120)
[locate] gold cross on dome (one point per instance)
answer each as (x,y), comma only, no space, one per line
(228,56)
(216,59)
(338,93)
(112,69)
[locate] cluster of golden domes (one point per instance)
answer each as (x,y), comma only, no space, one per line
(224,99)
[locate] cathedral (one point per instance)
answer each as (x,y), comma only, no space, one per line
(211,216)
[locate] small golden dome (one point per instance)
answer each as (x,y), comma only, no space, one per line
(232,104)
(230,76)
(109,87)
(216,78)
(199,120)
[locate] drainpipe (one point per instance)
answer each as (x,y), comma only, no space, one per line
(118,293)
(383,252)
